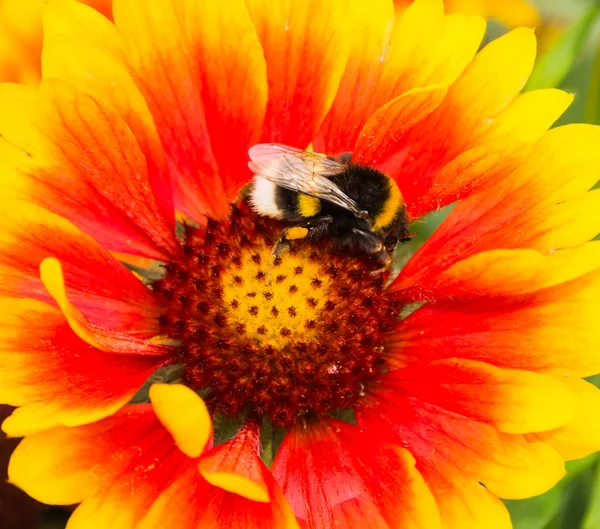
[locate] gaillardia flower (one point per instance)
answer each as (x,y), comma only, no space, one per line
(359,398)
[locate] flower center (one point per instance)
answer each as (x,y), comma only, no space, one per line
(301,333)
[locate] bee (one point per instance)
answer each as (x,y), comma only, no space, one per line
(357,207)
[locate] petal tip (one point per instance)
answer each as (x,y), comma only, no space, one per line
(183,413)
(236,484)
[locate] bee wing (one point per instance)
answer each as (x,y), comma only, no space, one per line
(301,171)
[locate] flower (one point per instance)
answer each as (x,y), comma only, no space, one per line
(413,404)
(21,38)
(512,13)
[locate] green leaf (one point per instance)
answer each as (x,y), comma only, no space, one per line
(578,466)
(535,513)
(553,66)
(576,494)
(591,519)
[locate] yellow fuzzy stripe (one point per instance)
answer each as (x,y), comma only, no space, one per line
(390,209)
(308,206)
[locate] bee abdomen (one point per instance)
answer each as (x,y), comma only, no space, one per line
(264,198)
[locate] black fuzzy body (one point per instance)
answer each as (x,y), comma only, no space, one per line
(370,189)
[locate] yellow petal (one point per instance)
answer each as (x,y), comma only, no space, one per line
(184,414)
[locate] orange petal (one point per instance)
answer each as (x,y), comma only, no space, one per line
(18,63)
(500,148)
(72,140)
(104,290)
(116,467)
(507,465)
(183,413)
(54,376)
(462,502)
(530,208)
(68,57)
(515,401)
(335,475)
(205,56)
(236,467)
(506,273)
(20,41)
(97,336)
(424,48)
(390,123)
(581,436)
(468,108)
(553,330)
(306,46)
(191,502)
(357,97)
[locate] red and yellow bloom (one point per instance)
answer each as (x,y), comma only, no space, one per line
(475,395)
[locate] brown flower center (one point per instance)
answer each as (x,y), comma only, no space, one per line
(279,338)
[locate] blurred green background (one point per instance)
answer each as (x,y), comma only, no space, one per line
(569,59)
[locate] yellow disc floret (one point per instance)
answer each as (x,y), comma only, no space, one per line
(275,300)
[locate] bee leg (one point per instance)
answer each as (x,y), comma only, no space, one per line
(283,243)
(311,229)
(289,234)
(385,260)
(318,227)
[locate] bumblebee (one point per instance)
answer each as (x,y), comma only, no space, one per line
(357,207)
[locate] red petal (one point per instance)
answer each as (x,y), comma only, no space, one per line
(76,156)
(306,46)
(422,48)
(496,150)
(97,336)
(201,68)
(191,502)
(529,209)
(236,467)
(56,377)
(390,123)
(103,289)
(335,475)
(455,126)
(455,453)
(550,330)
(513,400)
(117,467)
